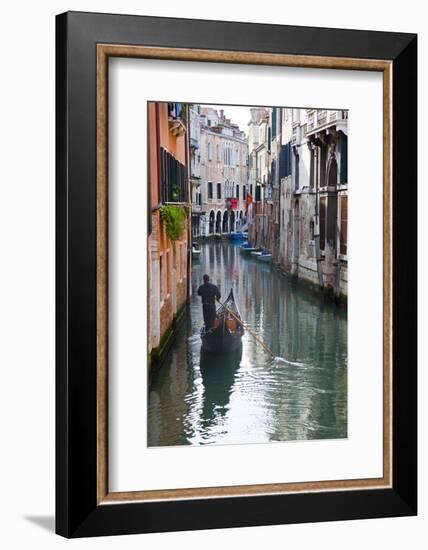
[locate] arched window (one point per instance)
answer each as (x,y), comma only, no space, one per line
(209,152)
(237,191)
(219,190)
(211,222)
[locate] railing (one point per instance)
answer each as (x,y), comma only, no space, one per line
(311,122)
(173,178)
(323,118)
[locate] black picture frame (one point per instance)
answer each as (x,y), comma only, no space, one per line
(77,511)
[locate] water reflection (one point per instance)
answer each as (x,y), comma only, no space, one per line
(248,398)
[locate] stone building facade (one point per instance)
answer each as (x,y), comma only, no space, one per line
(168,261)
(314,201)
(300,214)
(258,167)
(220,198)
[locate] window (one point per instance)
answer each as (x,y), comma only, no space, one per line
(285,161)
(273,123)
(184,260)
(219,190)
(296,169)
(173,184)
(344,225)
(237,191)
(312,167)
(218,153)
(168,274)
(244,192)
(209,152)
(343,174)
(210,189)
(323,211)
(162,277)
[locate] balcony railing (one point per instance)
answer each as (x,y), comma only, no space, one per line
(173,179)
(323,118)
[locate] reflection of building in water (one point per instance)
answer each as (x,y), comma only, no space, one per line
(170,386)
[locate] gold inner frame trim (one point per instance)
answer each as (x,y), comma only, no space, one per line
(104,51)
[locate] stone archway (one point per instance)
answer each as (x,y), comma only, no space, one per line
(211,222)
(232,221)
(225,228)
(218,222)
(331,223)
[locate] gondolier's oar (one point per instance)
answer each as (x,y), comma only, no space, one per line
(259,340)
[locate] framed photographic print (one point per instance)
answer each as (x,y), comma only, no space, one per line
(236,274)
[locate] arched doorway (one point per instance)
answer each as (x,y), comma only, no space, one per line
(211,222)
(225,222)
(232,221)
(332,203)
(296,237)
(218,222)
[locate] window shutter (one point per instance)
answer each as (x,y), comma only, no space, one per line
(343,175)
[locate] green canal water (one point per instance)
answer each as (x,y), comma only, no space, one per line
(247,397)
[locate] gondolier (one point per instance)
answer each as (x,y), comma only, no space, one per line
(226,333)
(209,293)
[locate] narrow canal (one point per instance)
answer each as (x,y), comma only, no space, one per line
(249,398)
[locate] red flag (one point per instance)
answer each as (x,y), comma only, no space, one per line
(248,201)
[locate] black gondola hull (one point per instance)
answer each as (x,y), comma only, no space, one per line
(219,341)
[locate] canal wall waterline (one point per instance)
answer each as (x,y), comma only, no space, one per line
(327,292)
(158,354)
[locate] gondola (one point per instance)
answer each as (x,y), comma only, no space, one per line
(225,336)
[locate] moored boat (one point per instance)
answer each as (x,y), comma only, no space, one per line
(264,257)
(196,251)
(226,334)
(237,236)
(247,248)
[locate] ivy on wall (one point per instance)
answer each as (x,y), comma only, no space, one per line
(174,218)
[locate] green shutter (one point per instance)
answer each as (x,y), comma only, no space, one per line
(343,175)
